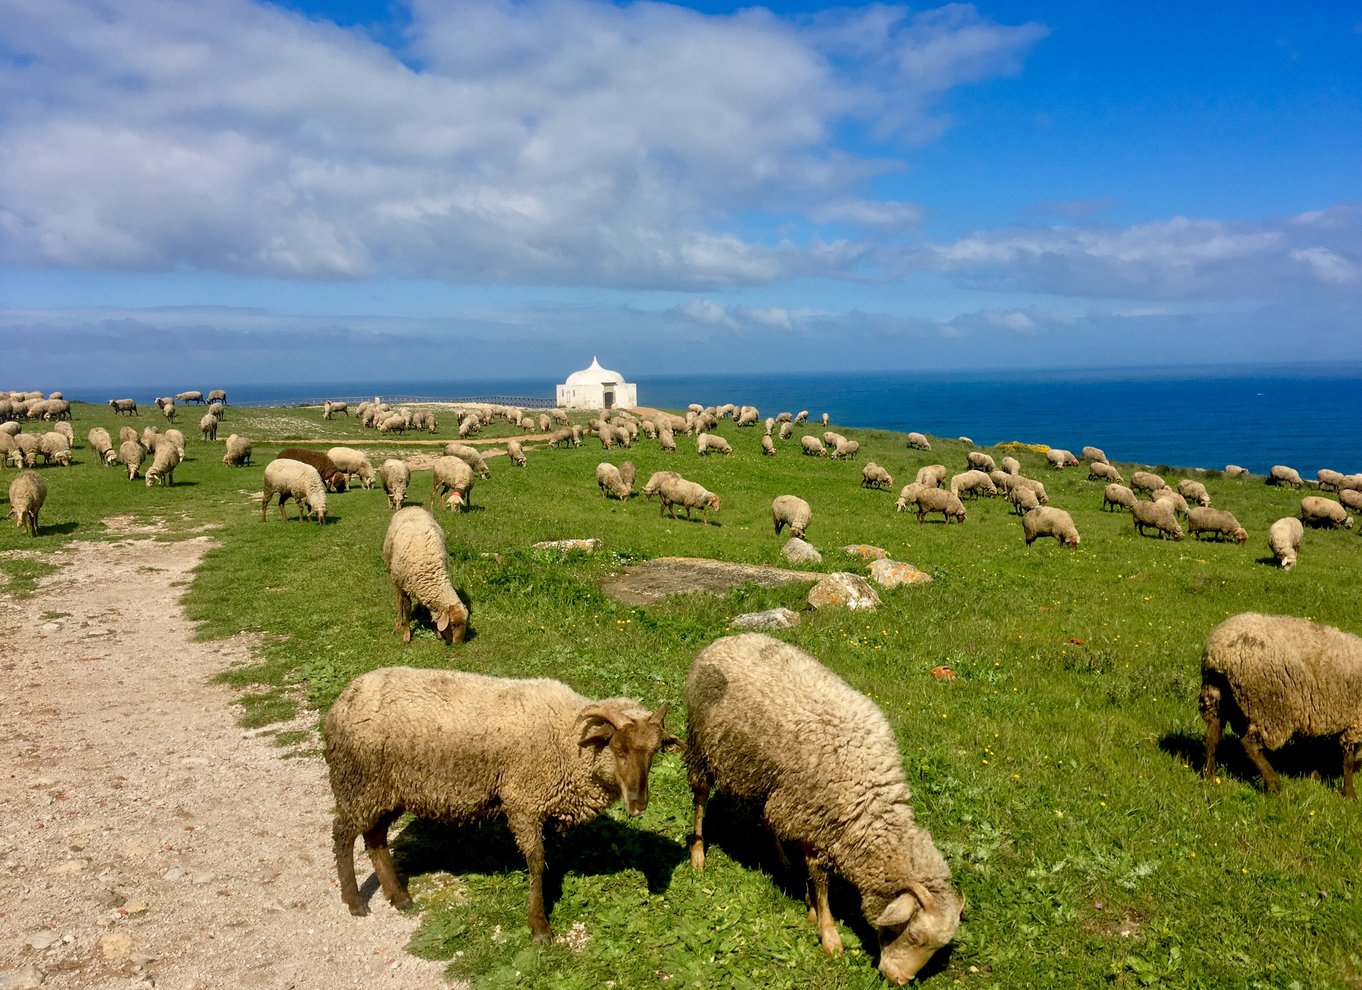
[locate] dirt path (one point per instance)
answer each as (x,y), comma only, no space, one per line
(146,840)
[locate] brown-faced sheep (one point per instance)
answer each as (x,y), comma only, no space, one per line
(1201,519)
(462,747)
(416,557)
(1319,511)
(826,772)
(1048,521)
(1277,676)
(792,511)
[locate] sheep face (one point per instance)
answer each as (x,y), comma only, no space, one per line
(633,745)
(912,927)
(452,624)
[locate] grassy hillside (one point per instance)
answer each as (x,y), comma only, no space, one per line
(1057,772)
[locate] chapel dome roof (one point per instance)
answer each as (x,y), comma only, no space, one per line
(594,375)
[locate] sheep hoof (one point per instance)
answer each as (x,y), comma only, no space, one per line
(359,910)
(406,907)
(541,938)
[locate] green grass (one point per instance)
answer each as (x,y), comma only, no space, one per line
(1057,772)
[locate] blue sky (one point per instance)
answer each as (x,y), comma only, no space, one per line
(337,190)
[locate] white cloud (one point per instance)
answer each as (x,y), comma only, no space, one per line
(886,214)
(555,141)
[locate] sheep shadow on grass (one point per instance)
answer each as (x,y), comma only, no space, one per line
(599,848)
(737,828)
(1316,758)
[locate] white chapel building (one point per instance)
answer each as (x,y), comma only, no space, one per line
(597,388)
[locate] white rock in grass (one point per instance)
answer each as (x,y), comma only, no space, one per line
(772,618)
(797,551)
(843,590)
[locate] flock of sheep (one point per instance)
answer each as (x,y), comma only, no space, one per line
(826,769)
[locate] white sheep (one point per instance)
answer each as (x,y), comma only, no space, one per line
(237,451)
(1093,454)
(415,554)
(874,476)
(706,442)
(1201,519)
(208,426)
(1319,511)
(1101,470)
(27,494)
(1158,514)
(454,477)
(917,441)
(1329,480)
(768,446)
(132,454)
(102,446)
(931,475)
(1011,465)
(353,462)
(786,430)
(688,495)
(1059,458)
(1284,540)
(1194,491)
(1146,481)
(826,772)
(939,500)
(55,446)
(1168,495)
(1273,677)
(1235,471)
(301,482)
(464,747)
(976,482)
(908,495)
(394,476)
(1283,475)
(1118,495)
(611,482)
(165,458)
(1351,499)
(654,485)
(330,409)
(812,446)
(977,460)
(1046,520)
(792,511)
(1023,498)
(515,452)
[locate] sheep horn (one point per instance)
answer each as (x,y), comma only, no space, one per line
(605,713)
(923,895)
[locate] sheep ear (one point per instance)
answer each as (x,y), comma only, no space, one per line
(899,911)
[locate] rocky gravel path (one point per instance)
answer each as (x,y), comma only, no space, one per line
(147,840)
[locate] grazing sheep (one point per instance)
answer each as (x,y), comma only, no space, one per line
(1101,470)
(462,747)
(768,446)
(1011,465)
(335,479)
(470,456)
(874,476)
(217,395)
(977,460)
(1118,495)
(1284,540)
(1194,491)
(1329,480)
(1201,519)
(1158,514)
(1023,498)
(706,442)
(102,446)
(908,495)
(1277,676)
(353,462)
(238,451)
(126,433)
(654,485)
(846,450)
(330,409)
(1319,511)
(124,406)
(1046,520)
(1168,495)
(168,410)
(455,477)
(832,440)
(1059,458)
(688,495)
(1283,475)
(394,476)
(416,556)
(1093,454)
(55,446)
(27,493)
(1351,499)
(515,453)
(10,452)
(301,482)
(824,419)
(976,482)
(786,430)
(826,772)
(792,511)
(166,457)
(1146,481)
(65,429)
(217,409)
(610,482)
(931,475)
(208,426)
(1235,471)
(132,454)
(812,446)
(917,441)
(940,500)
(561,437)
(29,446)
(187,397)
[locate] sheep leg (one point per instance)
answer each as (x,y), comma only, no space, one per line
(343,841)
(700,789)
(376,842)
(529,836)
(1352,752)
(403,623)
(1210,714)
(827,928)
(1253,748)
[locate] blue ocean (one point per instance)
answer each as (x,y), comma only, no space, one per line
(1306,416)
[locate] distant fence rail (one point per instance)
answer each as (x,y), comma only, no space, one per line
(523,401)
